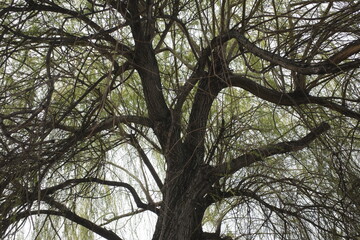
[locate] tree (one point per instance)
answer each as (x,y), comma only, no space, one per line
(232,119)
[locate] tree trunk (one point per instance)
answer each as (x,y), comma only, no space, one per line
(183,206)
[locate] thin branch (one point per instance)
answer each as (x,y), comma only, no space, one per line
(72,40)
(259,154)
(194,47)
(147,161)
(300,67)
(57,9)
(113,121)
(279,211)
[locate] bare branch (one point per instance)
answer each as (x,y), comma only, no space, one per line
(347,51)
(287,99)
(260,153)
(67,213)
(302,68)
(147,161)
(71,182)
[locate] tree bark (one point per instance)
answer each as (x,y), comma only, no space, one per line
(183,207)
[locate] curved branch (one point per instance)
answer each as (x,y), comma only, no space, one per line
(199,72)
(107,234)
(67,213)
(287,99)
(324,67)
(133,192)
(259,154)
(146,65)
(349,50)
(148,69)
(206,93)
(191,81)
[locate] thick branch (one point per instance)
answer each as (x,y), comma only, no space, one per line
(272,149)
(147,67)
(206,93)
(105,124)
(347,51)
(287,99)
(71,182)
(192,81)
(199,72)
(67,213)
(146,64)
(107,234)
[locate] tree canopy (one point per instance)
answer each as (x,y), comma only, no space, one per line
(195,120)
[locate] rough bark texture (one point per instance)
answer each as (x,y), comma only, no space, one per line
(184,205)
